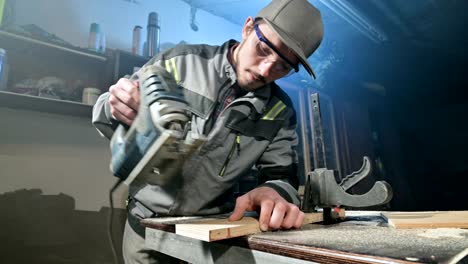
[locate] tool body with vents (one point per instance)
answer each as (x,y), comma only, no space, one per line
(159,139)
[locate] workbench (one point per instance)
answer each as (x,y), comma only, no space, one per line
(358,239)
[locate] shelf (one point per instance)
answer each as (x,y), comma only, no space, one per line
(14,41)
(125,62)
(137,59)
(42,104)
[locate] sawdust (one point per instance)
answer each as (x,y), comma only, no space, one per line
(445,232)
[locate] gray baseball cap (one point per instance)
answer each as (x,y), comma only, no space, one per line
(298,24)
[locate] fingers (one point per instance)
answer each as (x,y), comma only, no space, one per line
(121,112)
(299,220)
(284,215)
(124,100)
(275,211)
(131,96)
(127,92)
(242,205)
(266,210)
(277,217)
(294,218)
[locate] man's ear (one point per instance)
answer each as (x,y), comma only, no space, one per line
(248,27)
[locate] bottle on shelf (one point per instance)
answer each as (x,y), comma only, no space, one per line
(3,69)
(153,30)
(94,41)
(102,43)
(136,44)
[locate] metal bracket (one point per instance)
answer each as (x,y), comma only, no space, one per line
(321,188)
(323,191)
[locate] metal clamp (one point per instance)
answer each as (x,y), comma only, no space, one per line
(323,191)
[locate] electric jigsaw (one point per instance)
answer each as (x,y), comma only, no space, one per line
(160,139)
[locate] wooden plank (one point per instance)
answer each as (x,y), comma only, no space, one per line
(434,219)
(172,220)
(218,229)
(168,223)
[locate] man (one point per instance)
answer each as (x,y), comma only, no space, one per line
(248,119)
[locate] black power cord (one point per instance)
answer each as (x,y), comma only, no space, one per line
(110,220)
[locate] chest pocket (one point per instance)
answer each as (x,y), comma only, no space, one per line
(257,127)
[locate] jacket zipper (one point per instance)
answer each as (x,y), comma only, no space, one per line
(235,145)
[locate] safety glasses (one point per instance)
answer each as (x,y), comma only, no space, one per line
(266,51)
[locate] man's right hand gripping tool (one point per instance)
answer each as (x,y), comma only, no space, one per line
(159,139)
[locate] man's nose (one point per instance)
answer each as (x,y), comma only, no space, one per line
(266,68)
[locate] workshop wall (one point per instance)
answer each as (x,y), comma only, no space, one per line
(55,168)
(56,154)
(54,191)
(71,19)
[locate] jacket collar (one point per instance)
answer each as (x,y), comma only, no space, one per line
(260,97)
(229,71)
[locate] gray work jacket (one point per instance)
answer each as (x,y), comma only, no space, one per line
(256,130)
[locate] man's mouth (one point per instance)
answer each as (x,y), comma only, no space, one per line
(257,78)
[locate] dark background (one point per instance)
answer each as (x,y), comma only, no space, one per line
(416,124)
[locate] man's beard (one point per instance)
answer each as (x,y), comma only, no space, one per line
(238,71)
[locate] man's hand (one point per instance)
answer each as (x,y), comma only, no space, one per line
(124,100)
(275,211)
